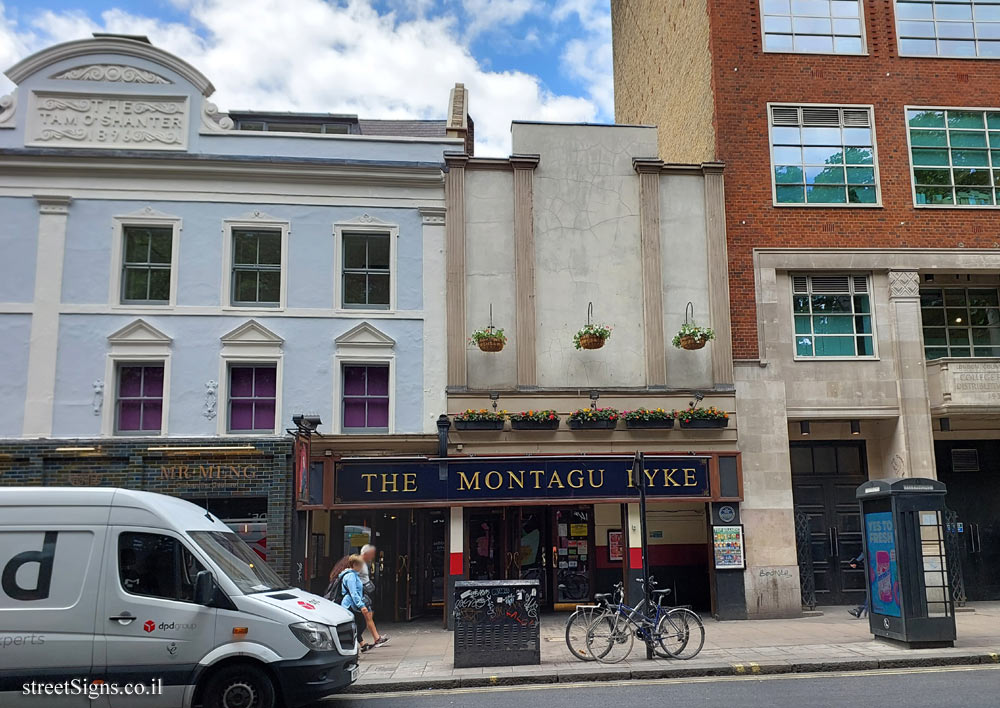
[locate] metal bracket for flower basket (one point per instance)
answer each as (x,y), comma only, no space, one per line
(688,341)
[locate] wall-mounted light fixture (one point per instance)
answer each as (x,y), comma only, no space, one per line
(595,395)
(804,427)
(855,427)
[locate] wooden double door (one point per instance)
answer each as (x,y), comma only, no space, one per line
(825,477)
(553,545)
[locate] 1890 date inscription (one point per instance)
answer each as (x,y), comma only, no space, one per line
(135,122)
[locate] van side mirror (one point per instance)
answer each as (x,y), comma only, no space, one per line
(204,587)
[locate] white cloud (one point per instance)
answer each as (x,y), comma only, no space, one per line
(490,14)
(587,59)
(335,57)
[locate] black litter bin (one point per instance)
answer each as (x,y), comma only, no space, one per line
(909,592)
(496,623)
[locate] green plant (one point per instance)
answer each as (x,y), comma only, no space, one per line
(482,414)
(690,329)
(710,413)
(487,333)
(594,414)
(535,416)
(647,414)
(594,330)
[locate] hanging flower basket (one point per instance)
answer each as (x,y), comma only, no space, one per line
(692,337)
(489,339)
(482,419)
(592,336)
(534,420)
(703,418)
(648,419)
(593,419)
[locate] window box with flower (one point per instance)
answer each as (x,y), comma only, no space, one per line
(534,420)
(593,419)
(648,419)
(481,419)
(710,417)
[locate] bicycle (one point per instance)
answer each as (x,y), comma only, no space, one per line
(579,622)
(671,632)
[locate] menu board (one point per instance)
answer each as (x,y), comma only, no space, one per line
(728,544)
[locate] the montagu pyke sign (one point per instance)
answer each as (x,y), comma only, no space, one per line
(405,481)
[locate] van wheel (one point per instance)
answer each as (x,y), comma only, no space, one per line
(239,686)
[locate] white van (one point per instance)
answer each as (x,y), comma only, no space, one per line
(101,589)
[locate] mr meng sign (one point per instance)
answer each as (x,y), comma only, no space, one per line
(518,478)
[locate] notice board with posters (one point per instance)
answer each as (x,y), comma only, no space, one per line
(883,574)
(727,543)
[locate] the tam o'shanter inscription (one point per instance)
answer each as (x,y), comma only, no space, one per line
(108,121)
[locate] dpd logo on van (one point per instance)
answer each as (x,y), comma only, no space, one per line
(149,626)
(44,559)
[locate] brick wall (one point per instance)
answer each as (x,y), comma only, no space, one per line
(262,471)
(745,79)
(883,79)
(663,82)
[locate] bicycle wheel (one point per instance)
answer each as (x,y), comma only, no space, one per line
(610,638)
(576,631)
(680,633)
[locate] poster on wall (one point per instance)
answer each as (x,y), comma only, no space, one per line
(883,575)
(727,541)
(616,546)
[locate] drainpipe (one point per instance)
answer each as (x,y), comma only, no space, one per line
(443,424)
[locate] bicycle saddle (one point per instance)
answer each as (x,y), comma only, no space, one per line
(664,592)
(601,596)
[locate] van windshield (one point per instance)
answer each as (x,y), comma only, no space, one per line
(235,558)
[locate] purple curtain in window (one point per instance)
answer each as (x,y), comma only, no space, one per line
(252,397)
(366,397)
(140,398)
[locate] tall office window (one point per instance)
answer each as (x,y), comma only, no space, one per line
(960,322)
(823,155)
(833,316)
(813,26)
(948,28)
(955,156)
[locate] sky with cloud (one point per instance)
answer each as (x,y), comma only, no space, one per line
(520,59)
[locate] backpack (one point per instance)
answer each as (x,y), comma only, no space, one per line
(335,590)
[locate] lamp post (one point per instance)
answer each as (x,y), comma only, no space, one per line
(638,469)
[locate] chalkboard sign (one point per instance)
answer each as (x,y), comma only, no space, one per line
(727,541)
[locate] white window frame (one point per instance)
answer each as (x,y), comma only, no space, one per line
(261,347)
(974,40)
(363,345)
(871,300)
(144,218)
(864,37)
(256,221)
(368,225)
(909,156)
(136,343)
(877,204)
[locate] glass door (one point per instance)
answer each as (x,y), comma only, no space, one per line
(574,561)
(528,557)
(486,545)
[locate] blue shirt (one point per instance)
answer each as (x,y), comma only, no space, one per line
(354,593)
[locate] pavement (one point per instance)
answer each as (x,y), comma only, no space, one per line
(420,654)
(965,686)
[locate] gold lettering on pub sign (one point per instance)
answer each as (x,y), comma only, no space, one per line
(207,473)
(669,477)
(517,480)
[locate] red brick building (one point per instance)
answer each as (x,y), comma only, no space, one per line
(862,150)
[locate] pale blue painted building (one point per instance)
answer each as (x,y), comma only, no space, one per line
(176,283)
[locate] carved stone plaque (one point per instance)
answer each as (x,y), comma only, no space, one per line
(136,122)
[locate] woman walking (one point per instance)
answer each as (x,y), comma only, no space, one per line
(347,589)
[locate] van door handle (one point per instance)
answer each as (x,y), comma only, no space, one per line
(123,618)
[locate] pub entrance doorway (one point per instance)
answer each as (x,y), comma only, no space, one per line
(553,545)
(409,566)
